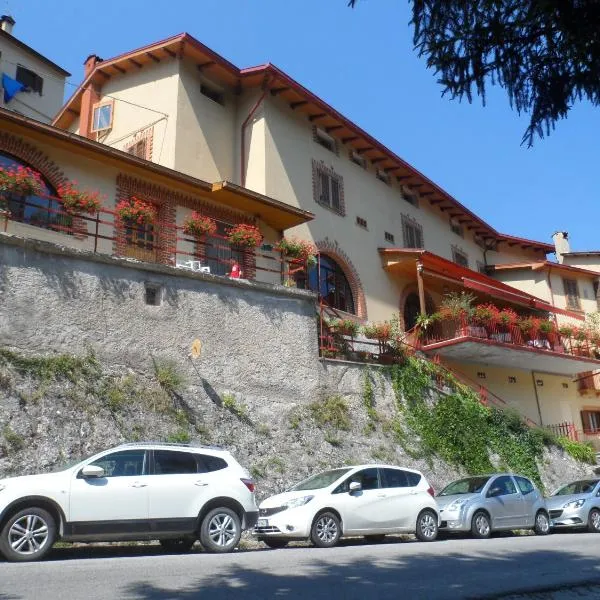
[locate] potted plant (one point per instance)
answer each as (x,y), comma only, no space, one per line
(198,225)
(245,236)
(346,327)
(457,306)
(547,331)
(21,181)
(136,211)
(76,201)
(296,248)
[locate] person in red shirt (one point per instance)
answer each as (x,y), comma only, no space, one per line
(236,271)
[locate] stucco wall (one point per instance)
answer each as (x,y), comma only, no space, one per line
(41,107)
(256,339)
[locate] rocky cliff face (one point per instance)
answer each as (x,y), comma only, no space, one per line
(55,409)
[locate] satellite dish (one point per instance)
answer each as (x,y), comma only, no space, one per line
(196,349)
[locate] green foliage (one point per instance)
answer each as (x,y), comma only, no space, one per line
(234,407)
(369,397)
(179,437)
(167,376)
(263,429)
(583,452)
(14,441)
(333,440)
(294,420)
(257,471)
(332,412)
(46,368)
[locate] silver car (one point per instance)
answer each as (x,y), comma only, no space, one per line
(489,503)
(576,505)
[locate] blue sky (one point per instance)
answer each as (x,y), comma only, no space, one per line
(361,62)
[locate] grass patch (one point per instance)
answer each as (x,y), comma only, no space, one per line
(167,376)
(14,441)
(580,451)
(236,408)
(332,412)
(179,437)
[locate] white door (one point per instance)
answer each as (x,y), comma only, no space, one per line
(401,504)
(121,495)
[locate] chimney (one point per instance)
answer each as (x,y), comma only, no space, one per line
(90,63)
(561,244)
(7,23)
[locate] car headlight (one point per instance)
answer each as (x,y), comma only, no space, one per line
(298,502)
(575,503)
(457,504)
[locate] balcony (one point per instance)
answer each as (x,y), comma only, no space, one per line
(467,339)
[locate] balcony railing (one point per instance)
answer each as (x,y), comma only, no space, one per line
(449,328)
(161,243)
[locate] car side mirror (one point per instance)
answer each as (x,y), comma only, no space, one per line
(355,486)
(91,471)
(496,491)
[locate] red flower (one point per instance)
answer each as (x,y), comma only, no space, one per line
(135,210)
(246,236)
(199,225)
(77,201)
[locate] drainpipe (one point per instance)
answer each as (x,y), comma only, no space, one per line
(537,398)
(243,135)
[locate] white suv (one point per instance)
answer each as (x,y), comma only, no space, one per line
(175,493)
(366,500)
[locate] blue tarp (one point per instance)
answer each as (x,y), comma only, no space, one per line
(11,87)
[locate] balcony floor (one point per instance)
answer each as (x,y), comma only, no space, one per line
(489,352)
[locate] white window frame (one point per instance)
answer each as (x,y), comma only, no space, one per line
(97,107)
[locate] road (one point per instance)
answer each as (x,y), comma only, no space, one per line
(455,568)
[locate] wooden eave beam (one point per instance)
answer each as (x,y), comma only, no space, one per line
(435,201)
(205,65)
(278,90)
(365,149)
(374,161)
(169,52)
(445,208)
(425,194)
(463,221)
(105,75)
(153,57)
(415,186)
(181,50)
(391,169)
(136,63)
(333,128)
(347,140)
(401,178)
(72,111)
(119,69)
(295,105)
(316,117)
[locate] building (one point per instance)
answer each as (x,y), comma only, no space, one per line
(32,84)
(390,239)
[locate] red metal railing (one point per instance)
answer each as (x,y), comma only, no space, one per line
(161,242)
(460,327)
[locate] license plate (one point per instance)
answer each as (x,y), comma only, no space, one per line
(263,523)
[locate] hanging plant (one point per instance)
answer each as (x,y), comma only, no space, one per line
(76,201)
(296,248)
(245,236)
(199,225)
(378,331)
(137,211)
(19,180)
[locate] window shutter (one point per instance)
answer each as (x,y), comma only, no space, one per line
(335,193)
(586,421)
(419,237)
(571,293)
(324,192)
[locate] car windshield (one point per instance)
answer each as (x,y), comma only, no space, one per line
(577,487)
(319,481)
(471,485)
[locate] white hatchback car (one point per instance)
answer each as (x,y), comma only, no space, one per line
(365,500)
(175,493)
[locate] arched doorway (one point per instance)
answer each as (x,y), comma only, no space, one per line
(412,309)
(332,284)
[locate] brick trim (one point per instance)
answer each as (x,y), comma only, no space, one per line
(32,156)
(333,251)
(147,137)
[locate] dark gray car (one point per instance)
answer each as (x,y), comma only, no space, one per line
(495,502)
(576,505)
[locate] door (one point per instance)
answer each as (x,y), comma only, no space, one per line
(115,503)
(530,497)
(179,486)
(359,510)
(400,504)
(505,503)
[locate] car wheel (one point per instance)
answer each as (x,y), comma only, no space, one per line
(542,523)
(28,535)
(374,539)
(220,530)
(326,530)
(480,525)
(427,526)
(594,521)
(275,542)
(178,545)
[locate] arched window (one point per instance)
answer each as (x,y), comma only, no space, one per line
(332,285)
(33,210)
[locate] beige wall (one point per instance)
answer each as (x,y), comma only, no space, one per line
(591,262)
(31,104)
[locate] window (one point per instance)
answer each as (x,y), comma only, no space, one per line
(480,374)
(413,233)
(217,253)
(41,210)
(525,485)
(332,285)
(361,222)
(368,479)
(410,198)
(138,149)
(141,241)
(382,176)
(590,419)
(171,462)
(102,116)
(357,159)
(502,486)
(512,379)
(325,140)
(153,294)
(389,237)
(30,78)
(127,463)
(572,294)
(398,478)
(460,257)
(208,464)
(457,228)
(328,189)
(214,94)
(596,294)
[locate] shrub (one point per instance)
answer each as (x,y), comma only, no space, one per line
(580,451)
(167,376)
(332,412)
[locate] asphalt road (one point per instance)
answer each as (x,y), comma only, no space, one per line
(455,568)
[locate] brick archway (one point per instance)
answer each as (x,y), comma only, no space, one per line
(409,289)
(35,158)
(332,250)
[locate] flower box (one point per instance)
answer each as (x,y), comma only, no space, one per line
(199,225)
(136,211)
(76,201)
(245,236)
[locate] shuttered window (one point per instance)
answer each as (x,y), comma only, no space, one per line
(590,419)
(413,233)
(328,188)
(572,294)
